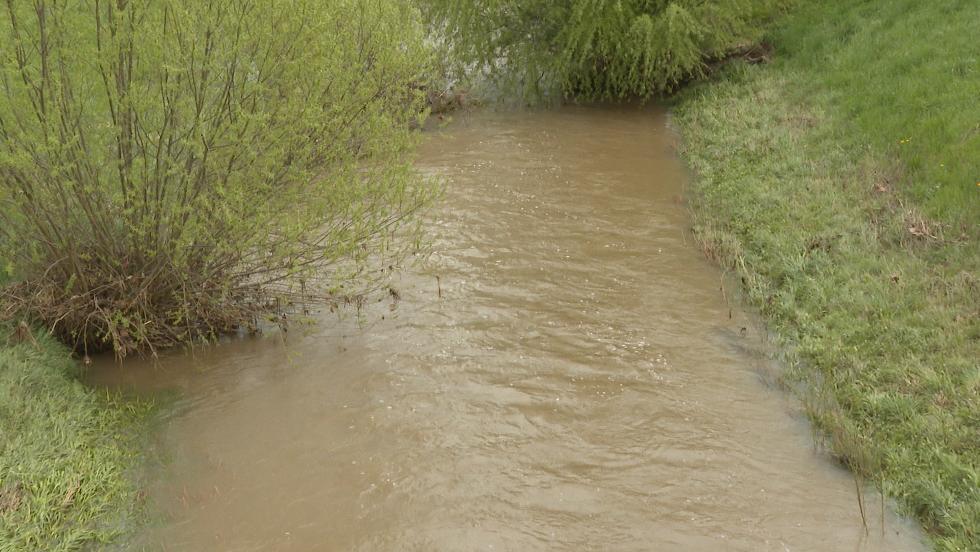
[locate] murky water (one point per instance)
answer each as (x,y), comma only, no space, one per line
(579,384)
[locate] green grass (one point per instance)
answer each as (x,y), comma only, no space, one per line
(906,74)
(861,252)
(67,454)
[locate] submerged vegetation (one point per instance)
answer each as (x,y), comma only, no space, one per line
(591,50)
(839,184)
(172,170)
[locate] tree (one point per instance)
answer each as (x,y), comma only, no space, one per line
(172,169)
(594,49)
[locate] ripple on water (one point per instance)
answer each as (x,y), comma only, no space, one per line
(580,385)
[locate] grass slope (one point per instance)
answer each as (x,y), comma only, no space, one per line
(839,182)
(66,454)
(906,75)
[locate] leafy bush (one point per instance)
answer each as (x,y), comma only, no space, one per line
(595,49)
(170,169)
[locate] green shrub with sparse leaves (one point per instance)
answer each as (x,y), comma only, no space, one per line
(173,169)
(595,49)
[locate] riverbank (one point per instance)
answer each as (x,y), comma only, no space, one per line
(67,453)
(840,183)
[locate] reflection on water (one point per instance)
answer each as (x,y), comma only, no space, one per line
(579,385)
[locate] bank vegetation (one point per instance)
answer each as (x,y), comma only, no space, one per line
(173,170)
(841,184)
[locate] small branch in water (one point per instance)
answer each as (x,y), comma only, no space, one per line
(725,295)
(881,493)
(860,497)
(439,286)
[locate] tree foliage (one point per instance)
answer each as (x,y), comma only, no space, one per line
(169,169)
(595,49)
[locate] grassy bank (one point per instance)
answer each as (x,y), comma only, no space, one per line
(840,184)
(67,453)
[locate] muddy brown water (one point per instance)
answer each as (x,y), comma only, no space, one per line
(579,384)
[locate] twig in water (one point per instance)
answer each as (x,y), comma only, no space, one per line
(860,497)
(881,493)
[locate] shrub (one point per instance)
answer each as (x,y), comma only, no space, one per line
(594,49)
(172,169)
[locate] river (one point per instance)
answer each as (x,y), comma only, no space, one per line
(564,373)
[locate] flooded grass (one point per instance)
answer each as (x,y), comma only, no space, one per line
(66,453)
(879,306)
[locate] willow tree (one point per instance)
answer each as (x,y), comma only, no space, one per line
(173,169)
(595,49)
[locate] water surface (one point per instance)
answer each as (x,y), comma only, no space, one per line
(573,380)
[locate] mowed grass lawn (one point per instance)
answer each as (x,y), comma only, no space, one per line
(840,182)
